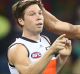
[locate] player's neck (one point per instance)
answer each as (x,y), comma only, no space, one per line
(35,37)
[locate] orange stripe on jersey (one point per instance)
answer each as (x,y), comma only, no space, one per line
(51,68)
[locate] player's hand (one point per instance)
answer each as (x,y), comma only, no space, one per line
(68,48)
(59,44)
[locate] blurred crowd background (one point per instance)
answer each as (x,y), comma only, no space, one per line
(65,10)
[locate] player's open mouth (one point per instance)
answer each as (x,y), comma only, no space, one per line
(39,24)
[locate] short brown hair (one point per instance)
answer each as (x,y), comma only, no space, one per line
(19,7)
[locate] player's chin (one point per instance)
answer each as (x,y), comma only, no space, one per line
(39,30)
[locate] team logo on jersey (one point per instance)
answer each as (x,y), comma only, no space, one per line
(36,55)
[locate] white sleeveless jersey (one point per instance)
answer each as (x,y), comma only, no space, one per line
(36,50)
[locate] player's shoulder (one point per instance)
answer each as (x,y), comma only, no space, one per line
(16,49)
(15,52)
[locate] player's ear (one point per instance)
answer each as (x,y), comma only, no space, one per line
(21,21)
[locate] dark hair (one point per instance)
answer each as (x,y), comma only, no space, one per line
(19,7)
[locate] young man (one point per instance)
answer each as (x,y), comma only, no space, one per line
(32,53)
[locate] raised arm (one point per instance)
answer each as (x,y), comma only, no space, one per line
(59,27)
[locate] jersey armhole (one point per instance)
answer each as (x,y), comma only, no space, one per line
(45,37)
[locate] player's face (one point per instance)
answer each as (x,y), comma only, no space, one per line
(33,19)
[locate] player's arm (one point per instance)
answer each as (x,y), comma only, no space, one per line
(18,56)
(64,55)
(59,27)
(61,61)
